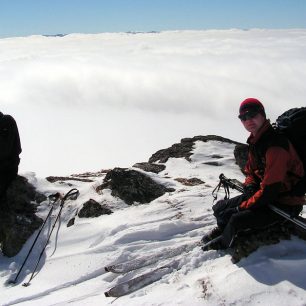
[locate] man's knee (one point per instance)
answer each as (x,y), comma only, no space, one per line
(240,220)
(219,207)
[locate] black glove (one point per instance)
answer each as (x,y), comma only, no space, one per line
(295,210)
(249,190)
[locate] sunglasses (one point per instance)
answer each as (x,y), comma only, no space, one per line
(247,116)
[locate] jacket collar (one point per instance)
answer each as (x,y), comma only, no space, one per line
(253,139)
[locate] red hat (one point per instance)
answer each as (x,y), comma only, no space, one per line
(251,105)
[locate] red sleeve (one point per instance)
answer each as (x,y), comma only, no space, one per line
(250,178)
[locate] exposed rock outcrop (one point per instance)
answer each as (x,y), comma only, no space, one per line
(17,216)
(189,182)
(53,179)
(241,155)
(213,163)
(133,186)
(150,167)
(248,242)
(184,148)
(92,209)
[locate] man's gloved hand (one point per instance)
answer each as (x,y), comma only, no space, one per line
(249,190)
(295,210)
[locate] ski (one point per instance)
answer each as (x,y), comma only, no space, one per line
(147,260)
(150,277)
(141,281)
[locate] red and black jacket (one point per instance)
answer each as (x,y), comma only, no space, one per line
(274,167)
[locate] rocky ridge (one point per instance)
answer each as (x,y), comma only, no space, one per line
(131,186)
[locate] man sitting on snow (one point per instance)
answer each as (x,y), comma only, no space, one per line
(272,170)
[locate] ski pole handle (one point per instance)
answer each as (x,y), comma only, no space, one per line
(54,197)
(71,194)
(232,183)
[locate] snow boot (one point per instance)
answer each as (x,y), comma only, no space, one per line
(214,233)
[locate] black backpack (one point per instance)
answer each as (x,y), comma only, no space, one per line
(292,124)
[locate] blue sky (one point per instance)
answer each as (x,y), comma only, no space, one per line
(26,17)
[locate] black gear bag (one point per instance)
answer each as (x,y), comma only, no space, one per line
(292,124)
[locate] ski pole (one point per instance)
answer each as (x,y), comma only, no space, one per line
(72,194)
(287,216)
(53,197)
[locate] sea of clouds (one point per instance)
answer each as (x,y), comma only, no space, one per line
(89,102)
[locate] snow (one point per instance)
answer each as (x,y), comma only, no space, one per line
(80,99)
(72,268)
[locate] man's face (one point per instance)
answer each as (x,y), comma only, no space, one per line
(253,125)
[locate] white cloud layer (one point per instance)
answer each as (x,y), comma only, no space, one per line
(86,102)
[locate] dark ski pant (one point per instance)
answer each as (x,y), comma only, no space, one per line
(232,223)
(7,176)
